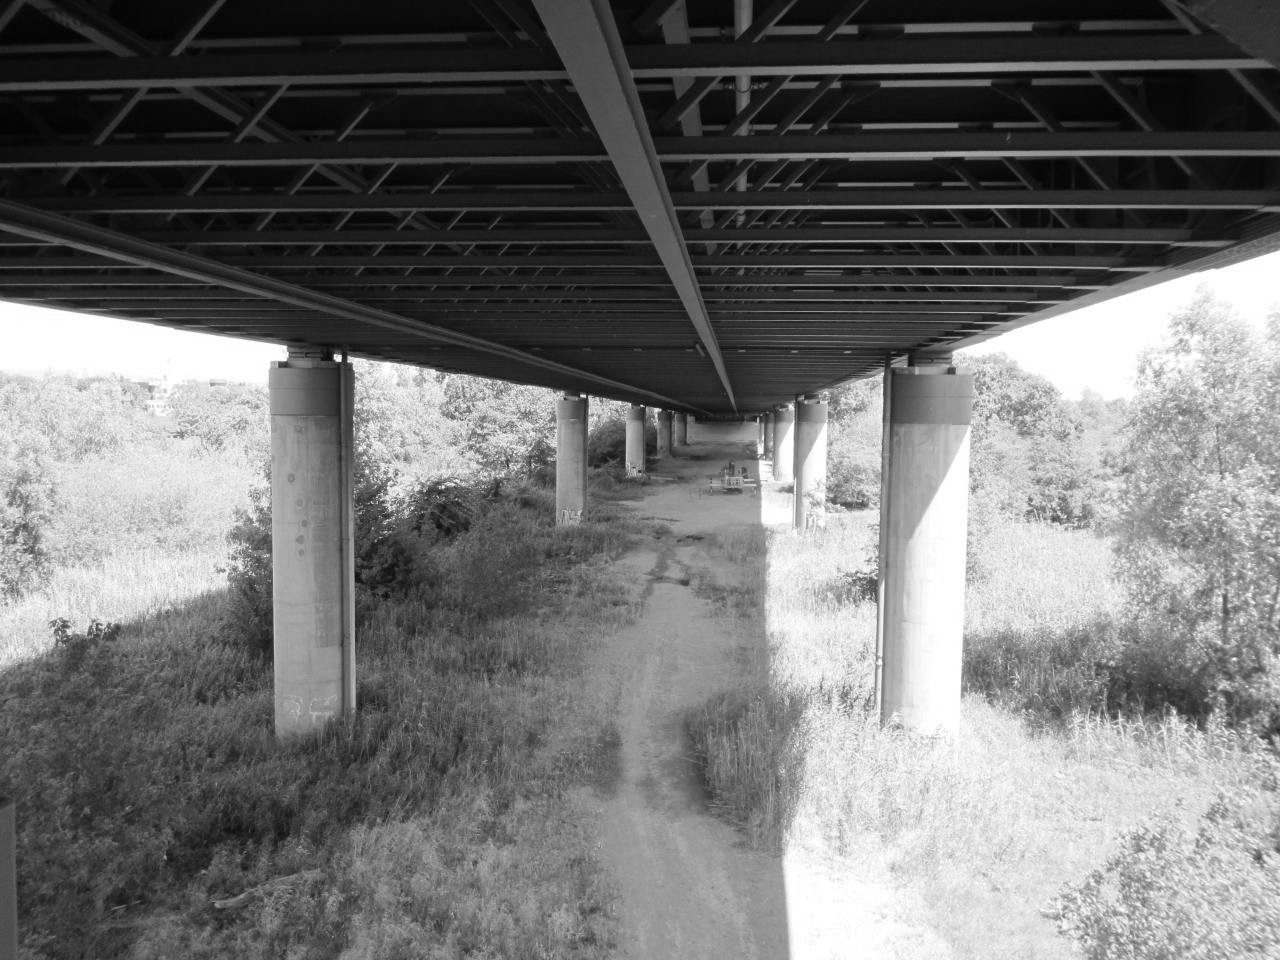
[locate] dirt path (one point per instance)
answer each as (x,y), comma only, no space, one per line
(689,886)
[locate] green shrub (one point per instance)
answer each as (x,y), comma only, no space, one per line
(442,507)
(248,617)
(1170,892)
(607,443)
(490,569)
(1107,666)
(26,508)
(76,646)
(853,475)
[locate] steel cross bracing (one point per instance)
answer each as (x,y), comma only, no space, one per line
(644,200)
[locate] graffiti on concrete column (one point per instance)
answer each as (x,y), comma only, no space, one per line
(319,710)
(569,518)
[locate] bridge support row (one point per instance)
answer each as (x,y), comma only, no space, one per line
(923,528)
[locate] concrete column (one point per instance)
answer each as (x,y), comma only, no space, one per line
(769,419)
(783,444)
(760,436)
(312,563)
(635,441)
(571,459)
(681,438)
(8,880)
(664,434)
(809,502)
(924,512)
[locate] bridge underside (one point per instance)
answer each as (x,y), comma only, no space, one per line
(670,203)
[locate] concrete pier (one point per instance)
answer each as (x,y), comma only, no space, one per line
(664,434)
(769,419)
(783,444)
(311,536)
(8,880)
(635,441)
(571,459)
(924,513)
(809,502)
(681,438)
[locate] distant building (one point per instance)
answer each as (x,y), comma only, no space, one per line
(158,393)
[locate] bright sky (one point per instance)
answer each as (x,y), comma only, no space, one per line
(1099,346)
(1094,347)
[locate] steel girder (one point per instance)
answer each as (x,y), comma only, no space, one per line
(574,195)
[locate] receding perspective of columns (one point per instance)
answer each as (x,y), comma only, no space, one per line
(571,459)
(783,444)
(311,546)
(664,434)
(635,441)
(809,501)
(681,438)
(924,511)
(768,434)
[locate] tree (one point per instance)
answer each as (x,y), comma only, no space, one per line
(26,509)
(854,426)
(1199,538)
(223,418)
(401,421)
(76,418)
(1028,459)
(506,428)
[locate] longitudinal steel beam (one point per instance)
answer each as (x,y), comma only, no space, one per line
(55,270)
(924,146)
(586,37)
(574,201)
(600,235)
(771,261)
(575,297)
(54,228)
(904,56)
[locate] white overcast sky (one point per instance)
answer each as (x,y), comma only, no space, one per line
(1094,347)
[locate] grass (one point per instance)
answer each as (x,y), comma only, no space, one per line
(986,830)
(134,535)
(158,817)
(129,585)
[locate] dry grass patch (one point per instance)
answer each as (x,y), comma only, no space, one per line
(989,829)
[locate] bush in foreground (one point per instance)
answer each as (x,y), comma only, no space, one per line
(1195,895)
